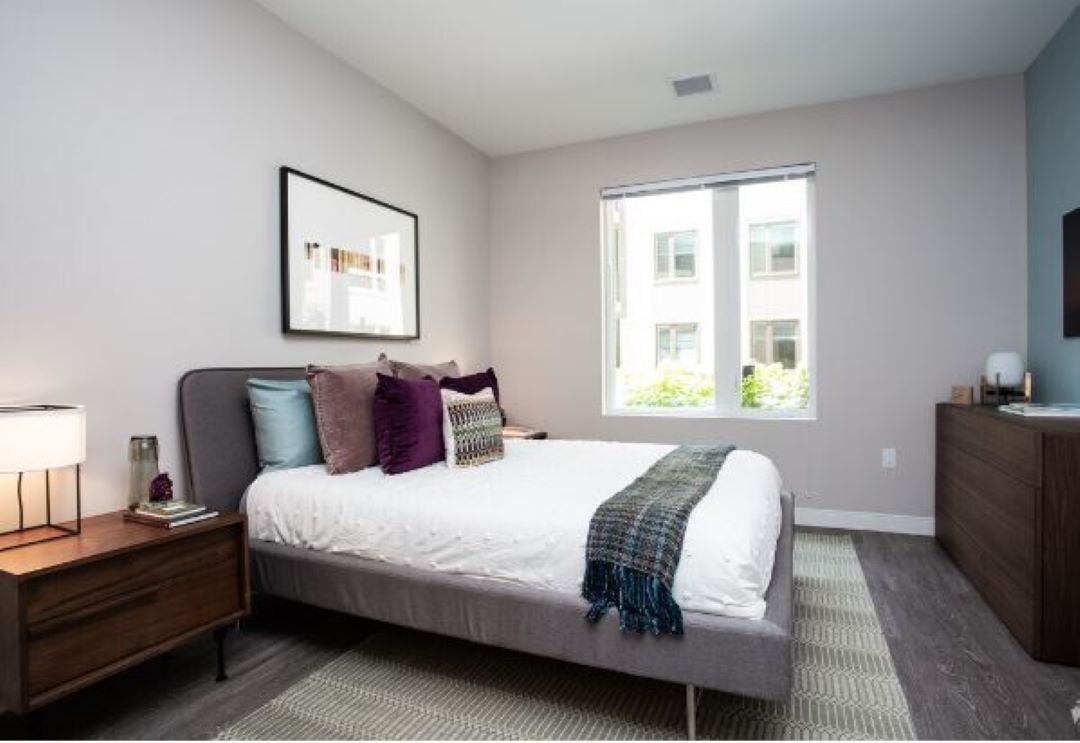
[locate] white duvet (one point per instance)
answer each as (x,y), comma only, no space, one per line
(525,519)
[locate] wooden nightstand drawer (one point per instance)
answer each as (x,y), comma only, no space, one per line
(98,583)
(69,646)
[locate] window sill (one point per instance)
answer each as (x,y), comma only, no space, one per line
(769,276)
(675,280)
(692,413)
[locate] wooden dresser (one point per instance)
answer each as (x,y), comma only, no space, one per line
(78,609)
(1008,512)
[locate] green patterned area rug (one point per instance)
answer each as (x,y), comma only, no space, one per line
(399,684)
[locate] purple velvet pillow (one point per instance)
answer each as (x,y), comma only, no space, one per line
(470,384)
(408,423)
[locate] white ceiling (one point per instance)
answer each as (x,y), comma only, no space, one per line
(516,75)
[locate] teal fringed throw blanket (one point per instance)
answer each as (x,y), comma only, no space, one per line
(636,537)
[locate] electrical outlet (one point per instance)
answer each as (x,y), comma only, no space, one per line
(888,458)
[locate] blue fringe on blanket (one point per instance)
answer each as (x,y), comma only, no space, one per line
(636,536)
(643,601)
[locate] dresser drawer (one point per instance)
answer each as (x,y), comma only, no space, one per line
(1008,448)
(67,646)
(997,511)
(1010,601)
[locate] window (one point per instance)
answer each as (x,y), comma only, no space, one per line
(676,255)
(772,248)
(724,344)
(775,342)
(677,344)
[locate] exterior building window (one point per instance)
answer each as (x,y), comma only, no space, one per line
(775,341)
(709,297)
(676,255)
(677,343)
(772,249)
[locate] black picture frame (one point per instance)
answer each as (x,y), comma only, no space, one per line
(285,173)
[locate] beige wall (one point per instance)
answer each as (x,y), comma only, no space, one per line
(140,143)
(920,274)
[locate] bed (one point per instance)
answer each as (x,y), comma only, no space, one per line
(319,552)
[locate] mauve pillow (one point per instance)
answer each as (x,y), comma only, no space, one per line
(470,384)
(408,423)
(405,370)
(343,397)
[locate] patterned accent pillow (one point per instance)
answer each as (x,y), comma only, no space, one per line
(470,384)
(472,428)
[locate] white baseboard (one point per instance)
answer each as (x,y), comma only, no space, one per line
(865,521)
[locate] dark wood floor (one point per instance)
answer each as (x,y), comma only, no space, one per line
(964,675)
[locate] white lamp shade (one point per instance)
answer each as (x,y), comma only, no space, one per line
(41,437)
(1005,368)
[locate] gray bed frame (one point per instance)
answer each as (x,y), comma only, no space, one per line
(740,656)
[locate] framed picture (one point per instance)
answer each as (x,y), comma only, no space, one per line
(1070,234)
(348,262)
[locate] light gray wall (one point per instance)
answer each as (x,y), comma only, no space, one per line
(920,263)
(140,143)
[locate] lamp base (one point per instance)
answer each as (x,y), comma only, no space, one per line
(16,538)
(25,536)
(995,394)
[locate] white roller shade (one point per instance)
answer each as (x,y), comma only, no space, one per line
(781,173)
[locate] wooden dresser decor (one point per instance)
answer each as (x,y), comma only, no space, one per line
(1008,512)
(77,610)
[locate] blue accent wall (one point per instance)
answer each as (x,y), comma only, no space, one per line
(1053,171)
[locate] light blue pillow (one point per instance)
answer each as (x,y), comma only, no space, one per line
(284,418)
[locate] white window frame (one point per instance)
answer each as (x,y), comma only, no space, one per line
(669,276)
(769,271)
(673,346)
(728,269)
(770,339)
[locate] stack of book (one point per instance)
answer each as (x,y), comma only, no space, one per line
(169,514)
(1034,410)
(522,432)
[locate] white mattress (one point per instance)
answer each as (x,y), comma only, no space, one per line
(525,519)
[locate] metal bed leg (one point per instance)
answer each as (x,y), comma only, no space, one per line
(691,712)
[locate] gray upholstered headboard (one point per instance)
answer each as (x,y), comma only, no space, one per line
(218,436)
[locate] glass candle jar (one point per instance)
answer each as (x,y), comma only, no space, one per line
(143,456)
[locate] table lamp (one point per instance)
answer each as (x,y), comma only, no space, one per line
(41,438)
(1005,380)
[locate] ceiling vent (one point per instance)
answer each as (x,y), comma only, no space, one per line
(693,85)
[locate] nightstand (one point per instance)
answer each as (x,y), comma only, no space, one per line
(522,432)
(77,610)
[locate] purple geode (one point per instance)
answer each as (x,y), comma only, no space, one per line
(161,487)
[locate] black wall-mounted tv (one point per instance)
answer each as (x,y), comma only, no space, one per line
(1070,230)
